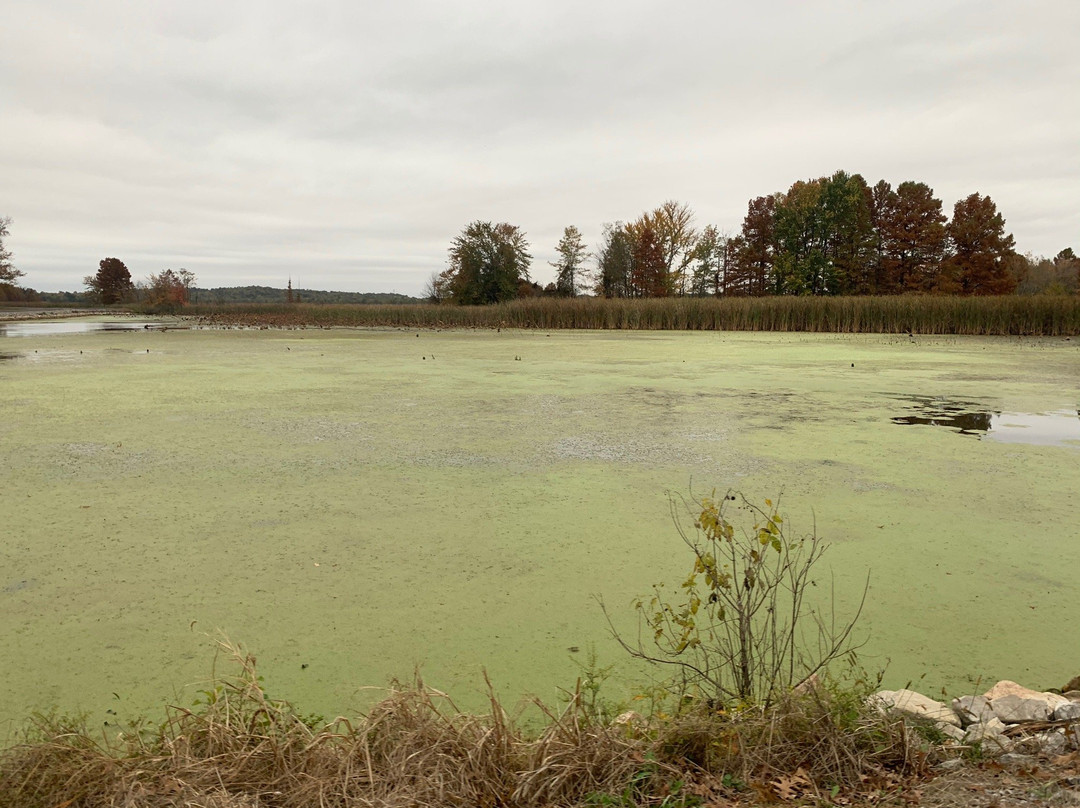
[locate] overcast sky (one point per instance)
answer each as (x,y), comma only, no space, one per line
(345,142)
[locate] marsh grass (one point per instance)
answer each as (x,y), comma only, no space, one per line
(241,749)
(1006,315)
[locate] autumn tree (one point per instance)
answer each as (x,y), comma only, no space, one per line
(487,263)
(673,226)
(439,287)
(979,250)
(882,200)
(111,284)
(1068,265)
(912,238)
(614,259)
(172,289)
(648,268)
(572,256)
(757,249)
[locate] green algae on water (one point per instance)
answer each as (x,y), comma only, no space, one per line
(351,504)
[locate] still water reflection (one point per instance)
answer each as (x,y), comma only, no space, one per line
(1057,428)
(45,329)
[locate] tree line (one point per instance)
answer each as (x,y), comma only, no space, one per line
(168,289)
(834,235)
(111,284)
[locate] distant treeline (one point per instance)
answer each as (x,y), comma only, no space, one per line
(250,294)
(268,294)
(1034,315)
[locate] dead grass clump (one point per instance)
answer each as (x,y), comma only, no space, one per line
(577,757)
(817,744)
(416,747)
(241,749)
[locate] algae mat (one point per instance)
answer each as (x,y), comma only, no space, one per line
(352,504)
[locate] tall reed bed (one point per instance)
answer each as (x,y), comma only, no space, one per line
(1009,315)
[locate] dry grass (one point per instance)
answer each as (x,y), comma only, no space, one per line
(1006,315)
(816,745)
(415,748)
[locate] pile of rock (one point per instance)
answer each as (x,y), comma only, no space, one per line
(1005,720)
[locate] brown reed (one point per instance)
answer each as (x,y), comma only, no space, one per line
(1042,315)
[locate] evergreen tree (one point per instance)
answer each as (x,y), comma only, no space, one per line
(112,283)
(614,260)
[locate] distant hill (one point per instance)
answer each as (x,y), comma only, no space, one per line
(268,294)
(258,294)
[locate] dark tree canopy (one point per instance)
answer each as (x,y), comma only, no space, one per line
(112,283)
(487,263)
(800,265)
(613,262)
(848,232)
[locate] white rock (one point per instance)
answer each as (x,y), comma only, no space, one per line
(972,709)
(1015,761)
(1007,688)
(1067,712)
(950,730)
(951,764)
(1052,744)
(914,705)
(984,731)
(1018,710)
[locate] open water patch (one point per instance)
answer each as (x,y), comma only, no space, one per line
(18,586)
(55,328)
(1054,428)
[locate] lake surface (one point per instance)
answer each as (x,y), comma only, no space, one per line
(350,504)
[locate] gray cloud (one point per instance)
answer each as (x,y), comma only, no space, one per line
(347,143)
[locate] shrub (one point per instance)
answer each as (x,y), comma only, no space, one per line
(740,629)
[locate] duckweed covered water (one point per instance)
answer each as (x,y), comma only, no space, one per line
(350,504)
